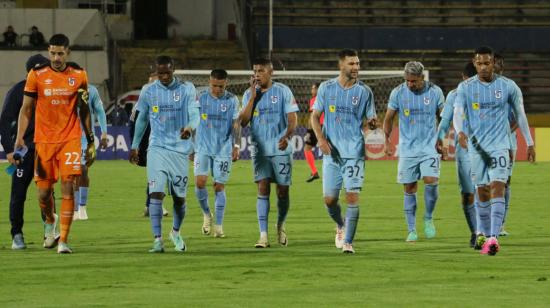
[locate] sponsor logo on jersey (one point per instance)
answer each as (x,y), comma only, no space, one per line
(256,113)
(475,105)
(332,108)
(47,92)
(204,116)
(155,109)
(407,112)
(48,81)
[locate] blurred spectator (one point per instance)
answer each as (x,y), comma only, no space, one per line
(10,37)
(119,116)
(36,38)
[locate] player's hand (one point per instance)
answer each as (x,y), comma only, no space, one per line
(10,159)
(185,133)
(192,156)
(323,144)
(103,142)
(253,86)
(134,156)
(531,154)
(463,140)
(445,153)
(90,154)
(283,143)
(388,147)
(235,155)
(373,124)
(439,148)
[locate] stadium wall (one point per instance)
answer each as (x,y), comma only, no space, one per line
(119,144)
(509,39)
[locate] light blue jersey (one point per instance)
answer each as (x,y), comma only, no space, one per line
(514,134)
(487,106)
(417,118)
(269,121)
(345,110)
(447,118)
(96,110)
(215,131)
(169,109)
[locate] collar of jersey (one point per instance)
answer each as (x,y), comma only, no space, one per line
(495,76)
(171,86)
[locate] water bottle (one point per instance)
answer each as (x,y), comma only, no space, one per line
(18,154)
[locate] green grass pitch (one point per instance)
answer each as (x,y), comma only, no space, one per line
(111,265)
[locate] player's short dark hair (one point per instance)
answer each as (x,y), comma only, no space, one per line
(59,40)
(219,74)
(484,50)
(164,60)
(317,84)
(262,61)
(469,70)
(342,54)
(498,56)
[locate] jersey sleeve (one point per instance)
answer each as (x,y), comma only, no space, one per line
(31,88)
(142,103)
(236,109)
(246,97)
(319,103)
(370,105)
(393,102)
(290,101)
(516,100)
(440,98)
(448,107)
(97,105)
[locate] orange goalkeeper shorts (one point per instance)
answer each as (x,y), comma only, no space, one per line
(53,157)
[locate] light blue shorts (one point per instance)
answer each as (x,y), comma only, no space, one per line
(165,167)
(218,167)
(412,169)
(276,168)
(83,146)
(351,173)
(464,175)
(496,169)
(513,161)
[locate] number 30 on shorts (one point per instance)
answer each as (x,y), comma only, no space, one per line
(73,158)
(498,161)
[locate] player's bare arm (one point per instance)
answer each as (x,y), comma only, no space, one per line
(388,127)
(292,122)
(86,120)
(235,154)
(246,112)
(315,121)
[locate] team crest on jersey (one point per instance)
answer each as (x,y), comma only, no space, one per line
(223,107)
(274,99)
(204,116)
(475,106)
(426,101)
(72,81)
(355,100)
(498,93)
(407,112)
(176,96)
(155,109)
(332,108)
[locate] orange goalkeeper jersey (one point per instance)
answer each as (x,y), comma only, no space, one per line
(56,115)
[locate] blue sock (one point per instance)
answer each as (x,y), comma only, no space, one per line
(497,215)
(410,211)
(335,212)
(262,209)
(155,215)
(219,203)
(470,214)
(352,216)
(507,195)
(484,212)
(76,196)
(179,215)
(431,193)
(202,196)
(282,205)
(83,196)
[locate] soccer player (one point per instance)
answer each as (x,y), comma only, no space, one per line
(270,108)
(57,93)
(418,103)
(499,69)
(21,178)
(171,108)
(83,181)
(485,100)
(216,146)
(310,139)
(346,103)
(462,159)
